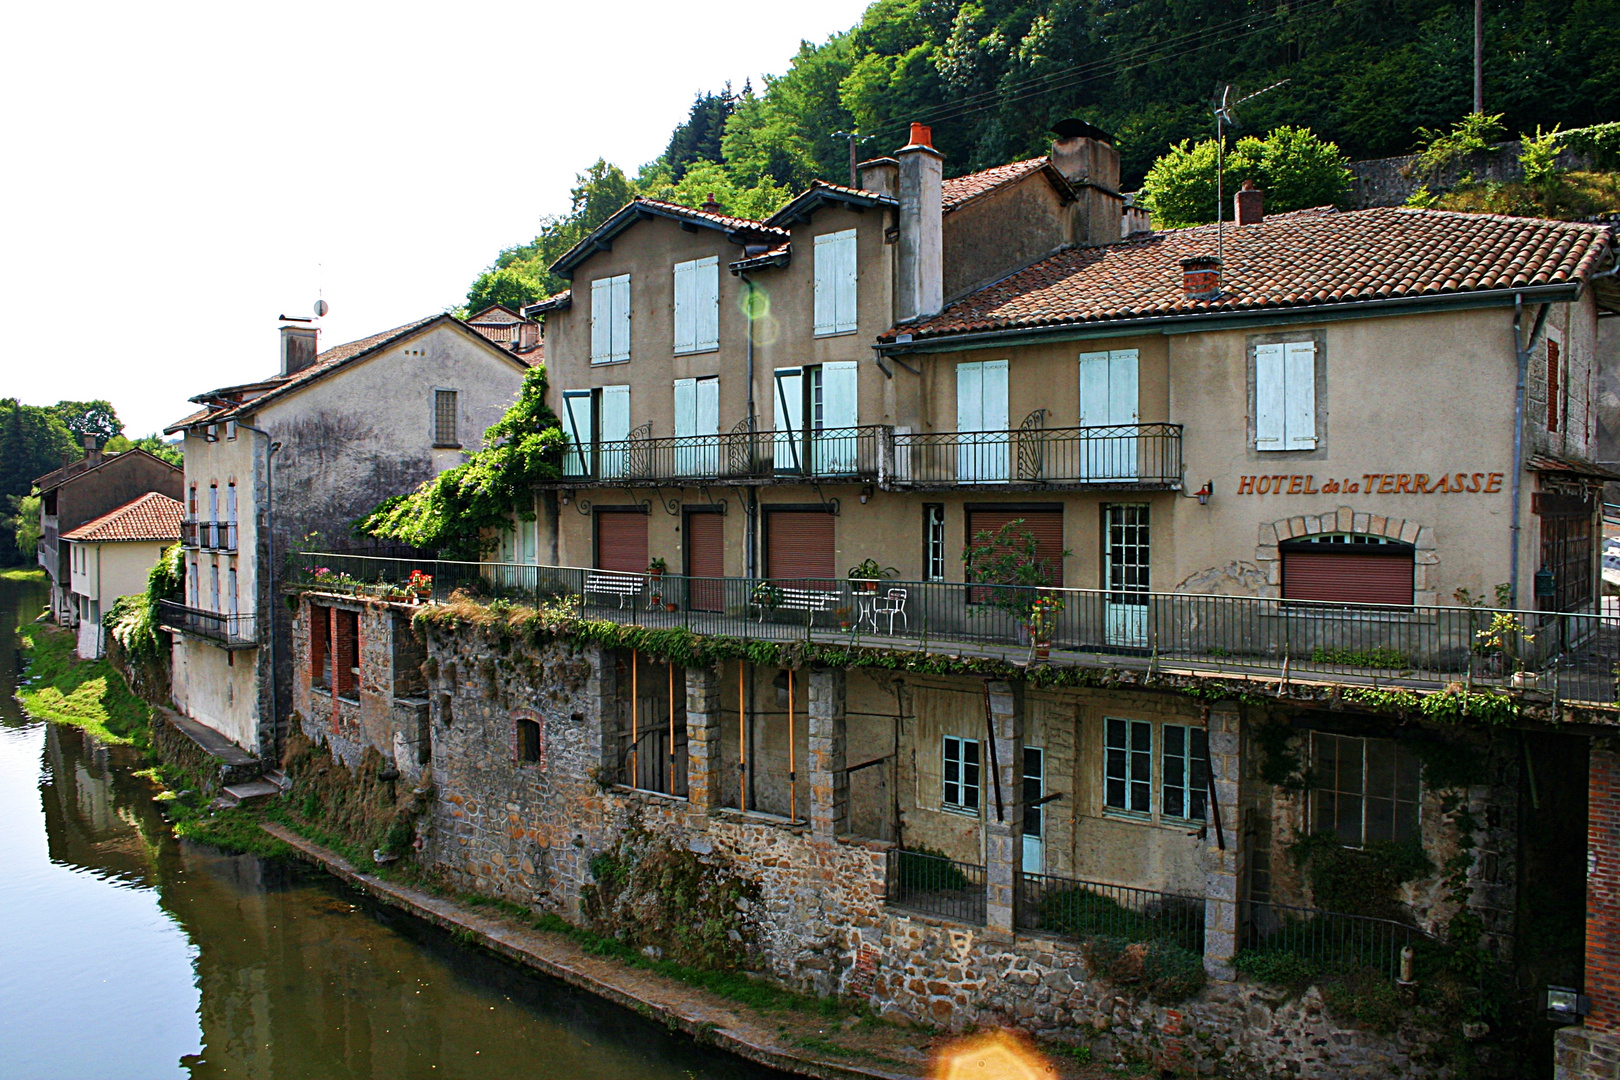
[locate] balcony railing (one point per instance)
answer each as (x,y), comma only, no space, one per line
(209,535)
(1129,456)
(1082,909)
(934,885)
(1571,656)
(232,631)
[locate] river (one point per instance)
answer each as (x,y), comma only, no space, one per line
(130,955)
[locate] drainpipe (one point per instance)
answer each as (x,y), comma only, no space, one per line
(745,709)
(1522,348)
(269,547)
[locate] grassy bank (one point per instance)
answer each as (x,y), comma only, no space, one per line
(86,694)
(23,573)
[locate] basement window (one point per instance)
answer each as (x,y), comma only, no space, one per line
(1365,791)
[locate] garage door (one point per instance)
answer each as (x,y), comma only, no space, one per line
(705,558)
(621,541)
(799,548)
(1045,523)
(1348,573)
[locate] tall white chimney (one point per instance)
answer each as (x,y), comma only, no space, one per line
(920,290)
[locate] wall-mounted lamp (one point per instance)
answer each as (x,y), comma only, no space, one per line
(867,492)
(1566,1005)
(1202,494)
(565,496)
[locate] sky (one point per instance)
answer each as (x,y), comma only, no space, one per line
(177,175)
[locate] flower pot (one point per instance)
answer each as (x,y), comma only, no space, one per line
(1043,652)
(1524,680)
(669,607)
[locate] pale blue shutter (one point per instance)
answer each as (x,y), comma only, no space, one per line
(846,311)
(706,300)
(1269,397)
(615,410)
(601,320)
(826,287)
(685,424)
(621,317)
(706,426)
(837,443)
(789,418)
(578,427)
(685,306)
(1094,395)
(1299,381)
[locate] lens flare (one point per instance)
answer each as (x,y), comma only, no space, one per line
(999,1055)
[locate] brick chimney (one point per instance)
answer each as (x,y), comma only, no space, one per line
(1201,277)
(920,261)
(1085,155)
(299,345)
(711,206)
(1249,205)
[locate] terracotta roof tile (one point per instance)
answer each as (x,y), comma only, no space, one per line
(723,220)
(153,516)
(1306,258)
(959,189)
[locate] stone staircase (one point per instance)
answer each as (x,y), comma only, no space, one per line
(235,776)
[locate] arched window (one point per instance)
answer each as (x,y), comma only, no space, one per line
(1347,568)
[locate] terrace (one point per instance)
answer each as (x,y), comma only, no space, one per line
(230,631)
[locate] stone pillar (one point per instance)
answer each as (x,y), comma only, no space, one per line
(1004,832)
(1221,867)
(703,774)
(828,742)
(1592,1049)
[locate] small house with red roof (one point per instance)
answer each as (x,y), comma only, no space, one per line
(110,556)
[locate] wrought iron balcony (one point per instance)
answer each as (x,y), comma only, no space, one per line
(1130,456)
(237,631)
(209,535)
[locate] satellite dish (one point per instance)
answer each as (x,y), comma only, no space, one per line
(321,308)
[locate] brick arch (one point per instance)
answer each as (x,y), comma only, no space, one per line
(1425,559)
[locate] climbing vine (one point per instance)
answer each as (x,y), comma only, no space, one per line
(1454,705)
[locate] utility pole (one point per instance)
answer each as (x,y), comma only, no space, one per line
(1479,56)
(854,138)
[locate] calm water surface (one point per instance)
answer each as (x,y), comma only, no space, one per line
(124,954)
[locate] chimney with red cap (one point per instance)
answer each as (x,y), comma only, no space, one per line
(712,207)
(919,258)
(1201,277)
(1249,205)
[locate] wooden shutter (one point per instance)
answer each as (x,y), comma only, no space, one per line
(685,408)
(621,317)
(601,320)
(1122,387)
(615,413)
(846,315)
(706,299)
(577,425)
(621,541)
(1045,524)
(1269,397)
(706,558)
(1299,387)
(838,391)
(826,298)
(707,407)
(970,396)
(799,548)
(685,306)
(1348,574)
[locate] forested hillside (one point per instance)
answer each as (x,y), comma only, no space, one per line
(992,76)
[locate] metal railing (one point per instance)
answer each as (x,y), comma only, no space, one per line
(209,535)
(1125,455)
(830,453)
(1570,655)
(1326,941)
(1057,905)
(232,631)
(934,885)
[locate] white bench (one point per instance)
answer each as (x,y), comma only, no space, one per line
(806,600)
(624,586)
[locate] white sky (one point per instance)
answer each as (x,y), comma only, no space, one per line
(176,173)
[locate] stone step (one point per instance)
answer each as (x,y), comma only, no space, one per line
(278,778)
(237,794)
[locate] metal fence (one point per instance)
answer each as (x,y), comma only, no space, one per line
(1572,656)
(848,453)
(934,885)
(1059,905)
(1119,456)
(232,631)
(1326,941)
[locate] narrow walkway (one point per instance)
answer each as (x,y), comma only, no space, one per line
(709,1020)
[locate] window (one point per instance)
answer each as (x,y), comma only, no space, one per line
(1126,553)
(1366,790)
(613,424)
(320,646)
(961,775)
(835,283)
(610,319)
(191,502)
(933,542)
(1347,568)
(1184,789)
(213,502)
(981,421)
(697,305)
(1567,536)
(1128,765)
(346,654)
(444,418)
(1553,363)
(527,740)
(1285,396)
(1034,792)
(213,584)
(697,423)
(193,585)
(230,591)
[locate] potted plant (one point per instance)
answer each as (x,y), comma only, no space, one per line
(842,614)
(866,574)
(1009,560)
(420,585)
(656,568)
(671,606)
(1043,619)
(1499,643)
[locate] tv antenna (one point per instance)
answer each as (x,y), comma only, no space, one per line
(1223,117)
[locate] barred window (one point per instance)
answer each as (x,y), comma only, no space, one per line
(961,774)
(1128,765)
(1365,791)
(1185,791)
(444,418)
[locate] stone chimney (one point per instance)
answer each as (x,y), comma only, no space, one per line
(299,345)
(92,451)
(1249,205)
(528,335)
(1085,155)
(920,260)
(1201,277)
(880,176)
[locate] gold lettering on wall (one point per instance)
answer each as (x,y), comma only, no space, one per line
(1374,484)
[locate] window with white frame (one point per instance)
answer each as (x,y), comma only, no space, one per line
(1364,791)
(933,542)
(1285,396)
(610,319)
(1128,765)
(697,305)
(962,775)
(835,283)
(1184,783)
(444,418)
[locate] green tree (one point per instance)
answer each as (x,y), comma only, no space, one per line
(698,138)
(33,442)
(23,523)
(153,444)
(1294,167)
(83,418)
(513,286)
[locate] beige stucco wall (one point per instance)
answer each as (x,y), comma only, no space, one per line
(1002,231)
(218,688)
(104,572)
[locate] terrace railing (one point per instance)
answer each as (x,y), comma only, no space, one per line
(232,631)
(1057,905)
(832,453)
(1326,941)
(934,885)
(1128,455)
(1572,656)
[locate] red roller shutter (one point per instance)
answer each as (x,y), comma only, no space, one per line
(799,546)
(1046,525)
(706,558)
(621,541)
(1350,575)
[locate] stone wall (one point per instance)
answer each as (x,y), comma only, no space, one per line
(1390,181)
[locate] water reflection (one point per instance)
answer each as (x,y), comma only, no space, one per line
(131,955)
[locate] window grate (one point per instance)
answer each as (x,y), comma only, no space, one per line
(444,418)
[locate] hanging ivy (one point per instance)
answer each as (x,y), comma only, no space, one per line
(461,512)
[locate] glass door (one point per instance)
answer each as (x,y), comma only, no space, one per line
(1125,565)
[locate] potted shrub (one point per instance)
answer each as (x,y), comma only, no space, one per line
(656,568)
(420,585)
(842,614)
(1010,559)
(866,574)
(1043,619)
